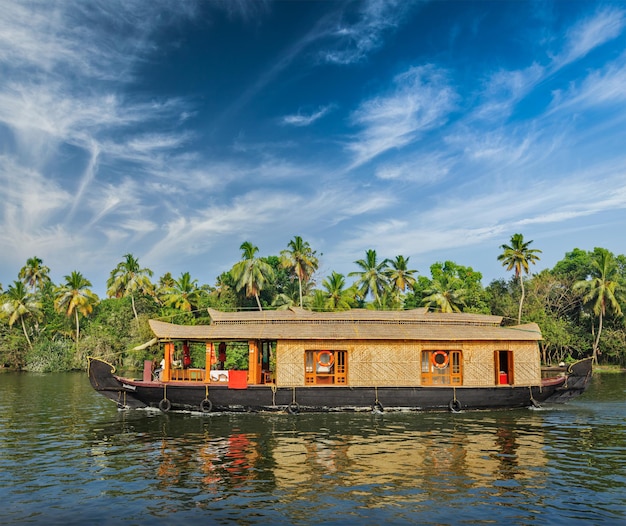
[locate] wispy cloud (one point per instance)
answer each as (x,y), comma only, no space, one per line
(351,38)
(504,88)
(599,88)
(30,200)
(354,40)
(96,161)
(590,33)
(460,221)
(64,66)
(306,119)
(422,168)
(421,101)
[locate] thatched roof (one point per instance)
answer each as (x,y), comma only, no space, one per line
(355,324)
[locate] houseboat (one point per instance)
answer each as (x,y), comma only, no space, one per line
(354,360)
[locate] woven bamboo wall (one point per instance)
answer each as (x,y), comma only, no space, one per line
(479,365)
(394,363)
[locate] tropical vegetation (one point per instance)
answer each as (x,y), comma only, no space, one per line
(578,304)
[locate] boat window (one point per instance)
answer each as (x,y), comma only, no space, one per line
(441,367)
(325,367)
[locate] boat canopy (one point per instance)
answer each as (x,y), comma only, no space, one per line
(355,324)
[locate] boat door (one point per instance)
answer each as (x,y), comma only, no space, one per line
(503,367)
(266,352)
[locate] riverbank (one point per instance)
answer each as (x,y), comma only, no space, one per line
(608,369)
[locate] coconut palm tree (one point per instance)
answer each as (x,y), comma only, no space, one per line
(166,281)
(183,294)
(372,278)
(317,301)
(74,297)
(400,277)
(34,274)
(251,273)
(518,256)
(301,259)
(445,294)
(289,297)
(20,304)
(129,279)
(337,297)
(601,291)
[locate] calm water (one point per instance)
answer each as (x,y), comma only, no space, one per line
(68,456)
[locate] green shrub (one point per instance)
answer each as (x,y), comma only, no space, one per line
(48,356)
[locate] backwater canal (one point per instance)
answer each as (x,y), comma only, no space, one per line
(68,456)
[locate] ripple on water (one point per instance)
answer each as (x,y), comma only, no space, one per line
(68,455)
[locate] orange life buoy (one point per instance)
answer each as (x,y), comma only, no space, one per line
(330,359)
(440,364)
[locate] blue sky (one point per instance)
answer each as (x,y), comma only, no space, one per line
(435,130)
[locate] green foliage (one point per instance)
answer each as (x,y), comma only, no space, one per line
(224,296)
(568,315)
(184,294)
(575,266)
(301,261)
(336,296)
(452,288)
(48,356)
(13,348)
(501,299)
(519,256)
(372,278)
(613,346)
(237,356)
(129,279)
(602,292)
(252,274)
(107,333)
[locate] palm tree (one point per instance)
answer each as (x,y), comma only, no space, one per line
(445,294)
(518,256)
(601,291)
(128,279)
(166,281)
(34,274)
(338,298)
(372,278)
(184,294)
(317,301)
(301,259)
(251,273)
(74,297)
(20,304)
(400,277)
(289,297)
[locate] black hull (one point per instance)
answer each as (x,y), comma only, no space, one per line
(191,397)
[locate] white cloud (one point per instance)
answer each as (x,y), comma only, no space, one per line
(590,33)
(30,200)
(355,40)
(600,87)
(421,101)
(303,119)
(422,168)
(504,88)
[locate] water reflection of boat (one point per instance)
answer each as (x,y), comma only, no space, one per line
(354,360)
(470,455)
